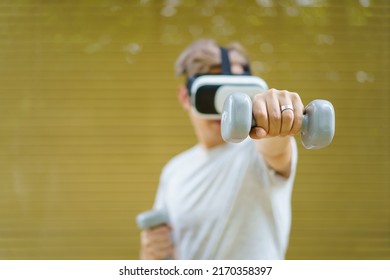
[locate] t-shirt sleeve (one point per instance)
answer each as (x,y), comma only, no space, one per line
(160,201)
(280,189)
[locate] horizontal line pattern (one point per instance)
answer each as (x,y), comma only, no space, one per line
(89,116)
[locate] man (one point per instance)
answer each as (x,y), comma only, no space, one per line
(228,201)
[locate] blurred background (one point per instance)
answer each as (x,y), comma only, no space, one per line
(89,116)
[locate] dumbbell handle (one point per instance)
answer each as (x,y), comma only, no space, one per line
(318,124)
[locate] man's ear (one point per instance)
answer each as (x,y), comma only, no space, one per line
(183,97)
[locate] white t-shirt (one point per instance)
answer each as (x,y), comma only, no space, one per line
(226,203)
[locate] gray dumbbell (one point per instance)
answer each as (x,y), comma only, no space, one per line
(318,124)
(151,218)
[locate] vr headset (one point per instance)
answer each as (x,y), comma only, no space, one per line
(208,92)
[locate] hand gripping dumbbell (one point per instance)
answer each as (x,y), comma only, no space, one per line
(152,218)
(318,124)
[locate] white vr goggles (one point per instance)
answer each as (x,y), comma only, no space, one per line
(209,92)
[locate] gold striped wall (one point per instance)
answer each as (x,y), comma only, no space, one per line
(89,116)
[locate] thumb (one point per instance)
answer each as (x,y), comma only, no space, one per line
(258,133)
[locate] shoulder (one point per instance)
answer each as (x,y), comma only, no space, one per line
(180,160)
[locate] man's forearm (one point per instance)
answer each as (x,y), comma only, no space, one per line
(277,152)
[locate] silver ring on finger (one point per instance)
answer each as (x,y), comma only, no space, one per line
(286,107)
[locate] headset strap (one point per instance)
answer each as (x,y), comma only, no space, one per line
(225,65)
(225,61)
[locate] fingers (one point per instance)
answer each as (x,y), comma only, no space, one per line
(156,243)
(260,115)
(298,113)
(287,114)
(274,114)
(271,120)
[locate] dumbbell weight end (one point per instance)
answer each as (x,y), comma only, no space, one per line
(151,218)
(318,124)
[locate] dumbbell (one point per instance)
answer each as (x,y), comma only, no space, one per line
(318,124)
(152,218)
